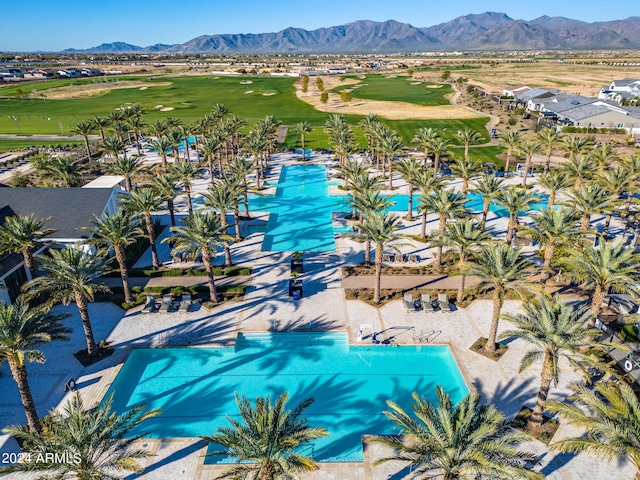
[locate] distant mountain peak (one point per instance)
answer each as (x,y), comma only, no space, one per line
(480,31)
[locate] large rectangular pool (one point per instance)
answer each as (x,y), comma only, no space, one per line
(350,384)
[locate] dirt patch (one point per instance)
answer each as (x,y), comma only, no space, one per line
(92,90)
(385,109)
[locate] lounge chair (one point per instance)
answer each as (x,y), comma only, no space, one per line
(413,258)
(386,258)
(409,304)
(398,258)
(185,303)
(427,306)
(150,304)
(167,304)
(444,304)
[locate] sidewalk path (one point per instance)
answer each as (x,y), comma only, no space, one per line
(183,281)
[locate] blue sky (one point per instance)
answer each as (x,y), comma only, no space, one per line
(53,25)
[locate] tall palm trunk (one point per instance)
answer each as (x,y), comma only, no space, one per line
(27,255)
(510,229)
(441,228)
(607,223)
(367,252)
(546,265)
(596,303)
(86,144)
(378,261)
(186,150)
(236,220)
(486,203)
(410,204)
(187,191)
(227,249)
(585,222)
(245,197)
(172,215)
(19,373)
(152,240)
(208,266)
(164,161)
(506,165)
(552,200)
(436,164)
(547,377)
(390,173)
(124,274)
(81,303)
(423,228)
(495,318)
(127,183)
(527,165)
(463,278)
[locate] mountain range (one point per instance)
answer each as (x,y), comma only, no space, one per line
(486,31)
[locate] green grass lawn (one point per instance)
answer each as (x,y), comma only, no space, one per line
(193,97)
(19,145)
(399,89)
(406,129)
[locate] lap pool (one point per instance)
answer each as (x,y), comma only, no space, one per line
(350,384)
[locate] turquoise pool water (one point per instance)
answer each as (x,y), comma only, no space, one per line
(195,386)
(300,211)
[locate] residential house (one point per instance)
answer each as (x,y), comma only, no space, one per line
(513,91)
(69,209)
(534,98)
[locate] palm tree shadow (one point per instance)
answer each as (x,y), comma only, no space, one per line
(175,456)
(556,462)
(507,397)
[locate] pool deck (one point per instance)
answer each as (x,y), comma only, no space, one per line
(267,306)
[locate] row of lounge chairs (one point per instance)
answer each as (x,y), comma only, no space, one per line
(425,303)
(410,258)
(168,305)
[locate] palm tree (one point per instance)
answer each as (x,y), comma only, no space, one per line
(549,138)
(162,146)
(554,181)
(100,123)
(71,274)
(556,331)
(117,232)
(368,202)
(553,229)
(446,204)
(184,172)
(528,149)
(210,146)
(97,441)
(126,167)
(511,140)
(167,187)
(428,185)
(466,169)
(200,234)
(22,330)
(381,230)
(64,171)
(410,169)
(220,198)
(20,234)
(606,268)
(136,124)
(609,411)
(502,268)
(465,237)
(516,201)
(113,146)
(603,156)
(489,188)
(266,439)
(302,128)
(467,137)
(84,128)
(453,441)
(142,203)
(615,182)
(589,200)
(576,145)
(423,139)
(240,168)
(579,168)
(439,149)
(256,145)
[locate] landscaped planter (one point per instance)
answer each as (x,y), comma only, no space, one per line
(297,266)
(295,285)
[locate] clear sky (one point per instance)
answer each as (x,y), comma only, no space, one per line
(53,25)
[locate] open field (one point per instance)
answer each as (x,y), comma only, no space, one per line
(25,110)
(584,79)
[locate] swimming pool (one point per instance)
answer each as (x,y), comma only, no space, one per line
(300,212)
(195,386)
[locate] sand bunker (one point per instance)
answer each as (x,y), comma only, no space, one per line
(433,86)
(166,109)
(158,107)
(246,82)
(91,90)
(268,94)
(415,83)
(385,109)
(248,91)
(143,88)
